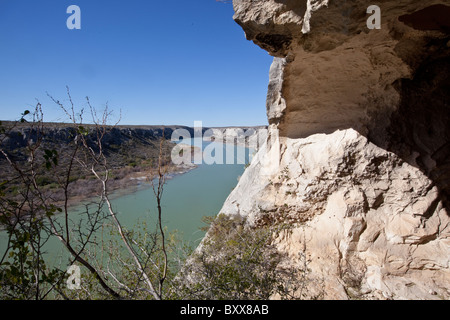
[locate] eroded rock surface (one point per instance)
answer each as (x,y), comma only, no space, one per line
(371,225)
(358,147)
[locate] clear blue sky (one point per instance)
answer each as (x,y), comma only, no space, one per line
(159,62)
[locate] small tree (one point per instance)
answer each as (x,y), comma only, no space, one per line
(23,215)
(31,217)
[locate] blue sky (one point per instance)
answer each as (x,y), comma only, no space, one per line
(157,62)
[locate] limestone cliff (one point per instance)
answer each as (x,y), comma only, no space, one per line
(357,157)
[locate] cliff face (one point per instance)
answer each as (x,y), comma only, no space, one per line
(357,155)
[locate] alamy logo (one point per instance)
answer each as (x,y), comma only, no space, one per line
(74,280)
(374,21)
(190,149)
(74,21)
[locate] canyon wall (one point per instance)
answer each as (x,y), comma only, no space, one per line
(357,157)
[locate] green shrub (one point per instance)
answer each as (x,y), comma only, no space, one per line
(236,262)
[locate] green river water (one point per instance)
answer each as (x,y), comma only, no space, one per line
(186,199)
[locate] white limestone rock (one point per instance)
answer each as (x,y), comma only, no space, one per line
(373,224)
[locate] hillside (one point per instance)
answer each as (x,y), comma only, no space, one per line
(131,153)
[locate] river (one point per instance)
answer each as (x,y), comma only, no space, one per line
(186,199)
